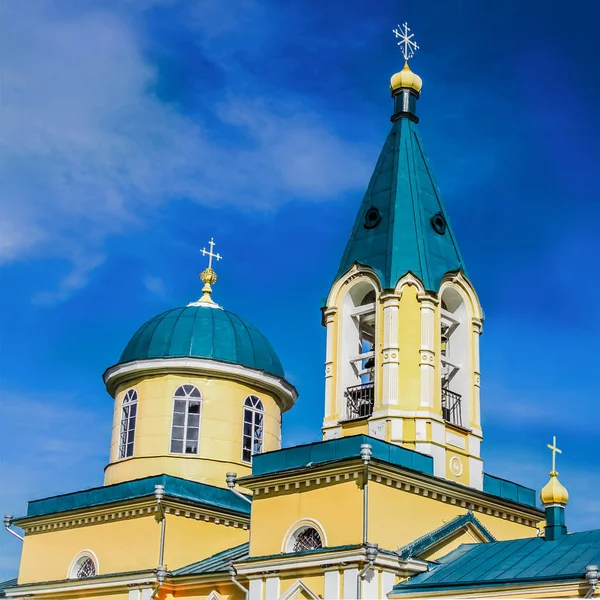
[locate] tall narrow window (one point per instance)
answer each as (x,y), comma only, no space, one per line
(254,417)
(185,433)
(128,419)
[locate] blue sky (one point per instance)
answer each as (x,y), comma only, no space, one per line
(134,131)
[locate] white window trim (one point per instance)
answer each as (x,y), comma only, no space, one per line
(187,399)
(296,527)
(83,554)
(254,410)
(123,405)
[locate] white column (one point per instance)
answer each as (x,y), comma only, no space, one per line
(427,351)
(389,385)
(330,402)
(475,412)
(272,588)
(255,589)
(332,585)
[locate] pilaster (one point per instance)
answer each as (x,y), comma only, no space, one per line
(331,402)
(390,354)
(476,387)
(427,350)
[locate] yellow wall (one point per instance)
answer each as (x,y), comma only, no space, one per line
(220,448)
(397,517)
(338,507)
(124,545)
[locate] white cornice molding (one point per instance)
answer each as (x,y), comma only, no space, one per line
(79,585)
(136,508)
(355,272)
(402,479)
(328,559)
(284,391)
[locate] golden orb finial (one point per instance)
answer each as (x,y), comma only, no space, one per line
(554,492)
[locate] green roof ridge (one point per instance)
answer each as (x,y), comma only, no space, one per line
(403,200)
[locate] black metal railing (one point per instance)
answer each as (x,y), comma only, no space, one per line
(451,407)
(360,400)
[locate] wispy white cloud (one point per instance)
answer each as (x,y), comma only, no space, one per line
(155,285)
(88,149)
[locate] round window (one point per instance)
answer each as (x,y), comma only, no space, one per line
(372,217)
(438,222)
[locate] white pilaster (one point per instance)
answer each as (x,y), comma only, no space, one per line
(476,473)
(332,585)
(370,586)
(272,585)
(330,404)
(427,353)
(350,589)
(255,589)
(388,580)
(476,418)
(146,594)
(390,356)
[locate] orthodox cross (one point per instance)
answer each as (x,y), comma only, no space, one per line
(554,451)
(406,43)
(210,253)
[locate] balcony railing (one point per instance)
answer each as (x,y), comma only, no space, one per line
(360,400)
(451,407)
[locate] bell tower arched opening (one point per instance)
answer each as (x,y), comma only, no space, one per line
(358,345)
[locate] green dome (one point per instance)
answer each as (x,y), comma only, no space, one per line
(203,332)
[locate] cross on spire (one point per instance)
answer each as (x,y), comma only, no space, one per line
(210,253)
(406,43)
(554,451)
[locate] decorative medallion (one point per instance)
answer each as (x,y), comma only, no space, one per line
(456,466)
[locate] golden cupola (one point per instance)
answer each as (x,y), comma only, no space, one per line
(554,492)
(406,79)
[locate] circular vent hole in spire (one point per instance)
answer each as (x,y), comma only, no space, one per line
(438,222)
(372,218)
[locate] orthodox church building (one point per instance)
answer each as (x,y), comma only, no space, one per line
(199,499)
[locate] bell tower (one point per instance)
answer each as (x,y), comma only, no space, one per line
(403,320)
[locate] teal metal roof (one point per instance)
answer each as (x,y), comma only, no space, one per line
(217,563)
(509,562)
(310,455)
(427,541)
(399,236)
(7,584)
(203,332)
(339,449)
(509,490)
(139,488)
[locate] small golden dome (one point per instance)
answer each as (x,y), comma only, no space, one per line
(406,79)
(554,492)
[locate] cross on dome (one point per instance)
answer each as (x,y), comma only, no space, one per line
(406,43)
(210,253)
(554,449)
(208,277)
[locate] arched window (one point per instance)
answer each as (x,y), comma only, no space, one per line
(305,538)
(185,432)
(84,565)
(454,356)
(128,419)
(358,350)
(253,432)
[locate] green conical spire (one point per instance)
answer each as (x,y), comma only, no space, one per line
(401,224)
